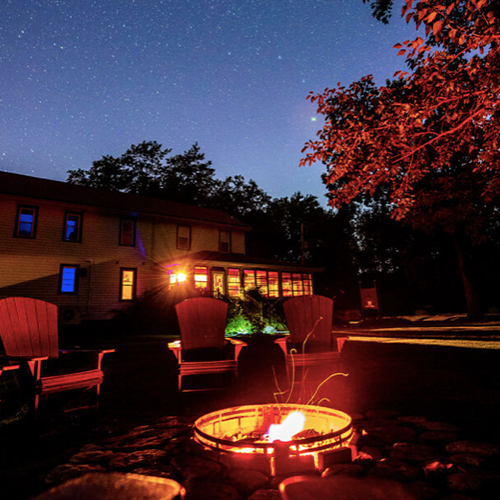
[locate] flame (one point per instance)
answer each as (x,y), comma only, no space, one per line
(293,423)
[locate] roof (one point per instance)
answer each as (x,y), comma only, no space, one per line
(45,189)
(207,256)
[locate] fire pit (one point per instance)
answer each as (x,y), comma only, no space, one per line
(247,430)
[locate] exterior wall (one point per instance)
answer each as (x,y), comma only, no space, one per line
(31,266)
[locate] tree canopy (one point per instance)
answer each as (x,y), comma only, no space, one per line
(430,138)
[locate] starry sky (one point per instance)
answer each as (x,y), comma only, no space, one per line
(80,79)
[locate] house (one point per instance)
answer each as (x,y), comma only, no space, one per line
(92,251)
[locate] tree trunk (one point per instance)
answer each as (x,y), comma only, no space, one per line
(471,295)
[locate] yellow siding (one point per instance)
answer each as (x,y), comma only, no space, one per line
(30,267)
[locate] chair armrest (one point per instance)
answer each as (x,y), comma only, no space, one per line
(22,358)
(176,348)
(99,352)
(4,368)
(34,362)
(238,345)
(282,343)
(73,350)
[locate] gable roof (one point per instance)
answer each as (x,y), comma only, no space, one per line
(45,189)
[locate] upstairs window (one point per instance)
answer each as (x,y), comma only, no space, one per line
(225,241)
(127,232)
(184,237)
(68,278)
(127,283)
(72,227)
(26,222)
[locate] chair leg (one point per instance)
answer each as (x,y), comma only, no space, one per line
(36,403)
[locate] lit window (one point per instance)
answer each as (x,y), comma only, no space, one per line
(26,222)
(183,237)
(249,278)
(225,241)
(286,284)
(262,282)
(127,284)
(218,282)
(72,227)
(273,283)
(68,278)
(201,277)
(297,284)
(233,282)
(127,232)
(307,282)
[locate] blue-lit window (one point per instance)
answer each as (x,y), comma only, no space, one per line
(26,222)
(68,278)
(72,227)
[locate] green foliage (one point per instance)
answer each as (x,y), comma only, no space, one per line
(254,314)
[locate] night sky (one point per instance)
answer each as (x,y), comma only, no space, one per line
(80,79)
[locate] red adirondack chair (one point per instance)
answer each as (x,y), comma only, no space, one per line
(311,341)
(203,348)
(29,333)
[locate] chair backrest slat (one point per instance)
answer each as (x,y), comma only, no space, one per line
(303,312)
(28,327)
(202,322)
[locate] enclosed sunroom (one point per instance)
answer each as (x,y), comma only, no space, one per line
(230,274)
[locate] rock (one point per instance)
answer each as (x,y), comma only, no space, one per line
(467,459)
(413,452)
(266,495)
(70,471)
(352,470)
(393,434)
(474,447)
(247,481)
(172,421)
(412,419)
(396,469)
(474,481)
(439,426)
(165,471)
(191,467)
(436,468)
(135,459)
(370,453)
(201,489)
(438,437)
(92,456)
(141,431)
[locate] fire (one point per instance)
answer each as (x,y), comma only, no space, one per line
(291,425)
